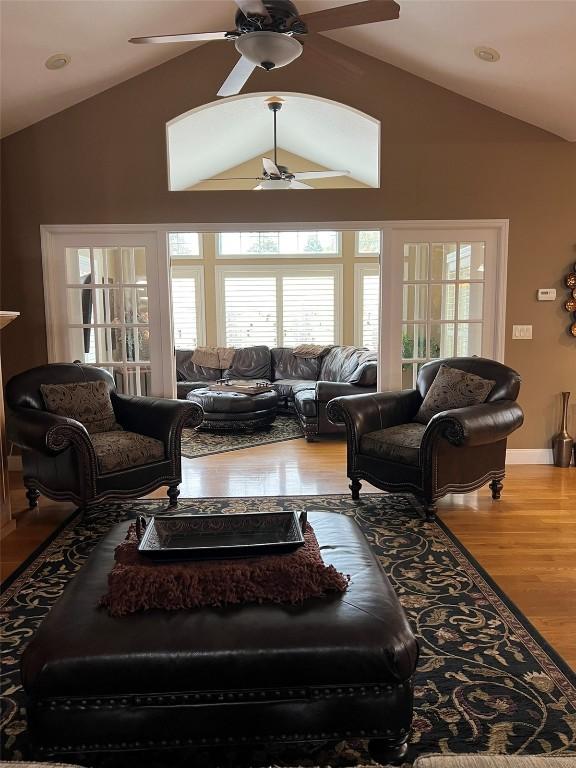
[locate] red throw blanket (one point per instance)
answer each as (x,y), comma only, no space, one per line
(137,584)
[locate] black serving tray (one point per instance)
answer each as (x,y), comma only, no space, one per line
(209,537)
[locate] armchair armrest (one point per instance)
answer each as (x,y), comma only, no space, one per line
(370,412)
(47,433)
(476,424)
(160,418)
(326,390)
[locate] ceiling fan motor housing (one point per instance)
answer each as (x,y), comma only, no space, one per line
(282,17)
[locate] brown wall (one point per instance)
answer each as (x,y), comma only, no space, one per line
(442,156)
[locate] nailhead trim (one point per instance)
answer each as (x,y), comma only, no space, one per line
(210,697)
(217,740)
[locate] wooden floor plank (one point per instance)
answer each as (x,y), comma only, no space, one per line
(526,542)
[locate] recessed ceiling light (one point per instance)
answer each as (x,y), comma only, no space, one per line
(486,54)
(57,61)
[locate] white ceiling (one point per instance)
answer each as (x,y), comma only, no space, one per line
(241,128)
(535,80)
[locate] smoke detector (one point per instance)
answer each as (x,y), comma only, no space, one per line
(486,54)
(57,61)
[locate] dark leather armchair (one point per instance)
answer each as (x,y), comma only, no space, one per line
(64,462)
(458,450)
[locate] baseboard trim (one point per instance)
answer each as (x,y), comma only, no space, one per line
(14,463)
(529,456)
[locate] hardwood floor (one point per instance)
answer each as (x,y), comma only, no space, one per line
(526,542)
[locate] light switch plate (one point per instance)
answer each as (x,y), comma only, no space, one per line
(546,294)
(521,331)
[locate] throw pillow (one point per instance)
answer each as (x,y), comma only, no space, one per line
(87,402)
(453,388)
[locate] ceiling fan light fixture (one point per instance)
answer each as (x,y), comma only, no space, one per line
(275,184)
(269,50)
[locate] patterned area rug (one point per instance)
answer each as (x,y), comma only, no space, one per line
(486,680)
(200,443)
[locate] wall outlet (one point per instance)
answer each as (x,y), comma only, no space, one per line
(521,331)
(546,294)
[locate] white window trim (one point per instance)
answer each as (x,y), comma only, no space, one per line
(303,228)
(357,252)
(388,299)
(360,270)
(197,272)
(176,230)
(334,270)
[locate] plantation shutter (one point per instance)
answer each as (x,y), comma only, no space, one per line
(250,310)
(370,311)
(308,309)
(184,311)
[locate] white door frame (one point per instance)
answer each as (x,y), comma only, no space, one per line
(389,348)
(389,373)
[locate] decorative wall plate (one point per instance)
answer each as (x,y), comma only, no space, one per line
(570,305)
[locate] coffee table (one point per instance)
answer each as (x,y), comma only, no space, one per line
(230,411)
(329,669)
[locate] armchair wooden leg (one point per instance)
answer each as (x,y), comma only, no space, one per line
(32,495)
(388,751)
(496,487)
(173,493)
(355,486)
(430,509)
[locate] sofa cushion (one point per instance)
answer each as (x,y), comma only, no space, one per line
(186,370)
(341,363)
(400,443)
(493,761)
(249,363)
(121,450)
(286,366)
(87,402)
(453,388)
(305,403)
(366,374)
(287,387)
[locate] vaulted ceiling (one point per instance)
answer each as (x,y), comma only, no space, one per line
(535,79)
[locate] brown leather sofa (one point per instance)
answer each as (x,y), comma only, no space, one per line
(458,450)
(304,385)
(58,456)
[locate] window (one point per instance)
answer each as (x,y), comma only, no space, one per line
(367,309)
(442,303)
(270,244)
(368,242)
(188,307)
(282,306)
(184,245)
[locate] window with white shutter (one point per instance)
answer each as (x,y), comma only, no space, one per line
(282,306)
(187,307)
(367,305)
(250,310)
(308,309)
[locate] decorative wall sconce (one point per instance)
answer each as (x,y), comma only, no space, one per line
(570,305)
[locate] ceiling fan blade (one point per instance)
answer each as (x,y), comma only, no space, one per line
(187,37)
(320,174)
(352,15)
(252,8)
(271,168)
(237,79)
(299,185)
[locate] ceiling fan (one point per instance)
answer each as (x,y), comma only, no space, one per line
(266,31)
(276,176)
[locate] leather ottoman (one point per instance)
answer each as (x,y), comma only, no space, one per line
(328,669)
(234,410)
